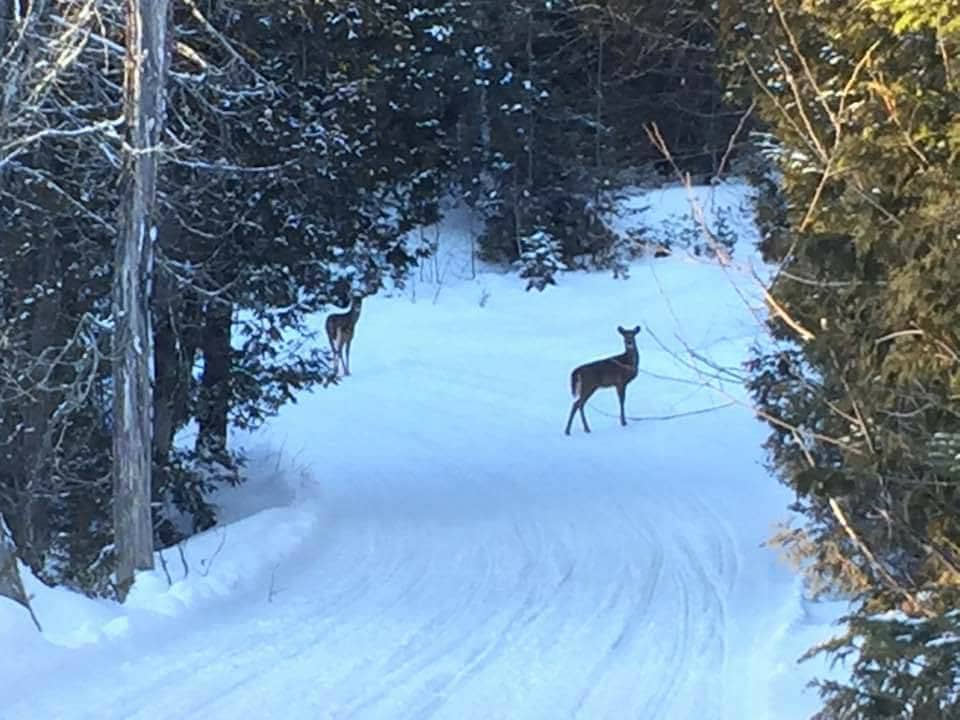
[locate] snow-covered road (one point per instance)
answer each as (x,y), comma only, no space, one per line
(448,553)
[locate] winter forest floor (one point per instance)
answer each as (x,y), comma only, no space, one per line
(422,541)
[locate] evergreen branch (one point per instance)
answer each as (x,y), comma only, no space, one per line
(881,571)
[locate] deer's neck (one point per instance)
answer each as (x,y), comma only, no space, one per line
(630,357)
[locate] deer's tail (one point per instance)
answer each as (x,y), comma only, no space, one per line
(575,383)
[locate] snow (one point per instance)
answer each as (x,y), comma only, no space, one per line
(440,32)
(422,541)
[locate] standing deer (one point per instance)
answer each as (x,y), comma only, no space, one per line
(340,329)
(616,371)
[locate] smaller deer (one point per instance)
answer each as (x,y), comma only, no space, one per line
(340,329)
(616,371)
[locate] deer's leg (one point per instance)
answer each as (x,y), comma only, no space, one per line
(336,345)
(346,348)
(582,402)
(573,411)
(622,394)
(336,357)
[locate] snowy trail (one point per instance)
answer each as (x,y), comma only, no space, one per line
(501,608)
(461,558)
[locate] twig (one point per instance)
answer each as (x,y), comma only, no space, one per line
(826,283)
(669,378)
(183,559)
(897,334)
(718,372)
(223,41)
(656,418)
(271,591)
(781,313)
(209,563)
(774,420)
(33,615)
(166,571)
(733,138)
(872,559)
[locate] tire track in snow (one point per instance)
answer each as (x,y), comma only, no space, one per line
(704,640)
(706,646)
(472,630)
(441,636)
(408,670)
(520,622)
(646,583)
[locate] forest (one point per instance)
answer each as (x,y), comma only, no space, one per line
(184,183)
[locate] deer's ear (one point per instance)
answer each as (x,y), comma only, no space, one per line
(621,330)
(636,330)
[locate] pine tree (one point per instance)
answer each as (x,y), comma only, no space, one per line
(58,194)
(289,185)
(862,379)
(567,89)
(540,260)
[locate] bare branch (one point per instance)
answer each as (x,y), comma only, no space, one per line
(878,567)
(733,138)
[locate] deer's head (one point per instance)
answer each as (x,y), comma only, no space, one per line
(629,336)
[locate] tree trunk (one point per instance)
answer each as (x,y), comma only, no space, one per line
(532,115)
(144,109)
(176,318)
(215,384)
(35,447)
(598,124)
(5,12)
(166,373)
(11,586)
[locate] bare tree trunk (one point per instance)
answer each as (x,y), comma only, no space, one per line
(145,110)
(11,586)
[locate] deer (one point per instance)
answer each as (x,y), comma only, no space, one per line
(340,329)
(616,371)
